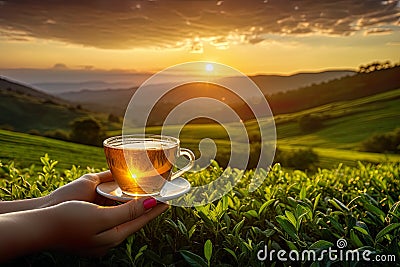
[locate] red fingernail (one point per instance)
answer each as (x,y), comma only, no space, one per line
(149,203)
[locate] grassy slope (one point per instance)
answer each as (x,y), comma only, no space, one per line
(348,123)
(27,149)
(23,112)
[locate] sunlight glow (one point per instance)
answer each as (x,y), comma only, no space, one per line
(209,67)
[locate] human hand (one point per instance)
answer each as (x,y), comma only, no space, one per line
(90,229)
(74,226)
(83,188)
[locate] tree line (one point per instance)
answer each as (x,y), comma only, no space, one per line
(375,66)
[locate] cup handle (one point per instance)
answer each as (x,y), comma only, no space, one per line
(189,154)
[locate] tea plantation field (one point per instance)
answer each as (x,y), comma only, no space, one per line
(345,125)
(291,211)
(25,150)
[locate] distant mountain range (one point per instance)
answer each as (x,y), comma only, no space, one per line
(63,87)
(116,100)
(24,108)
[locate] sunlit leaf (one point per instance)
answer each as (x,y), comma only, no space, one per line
(208,250)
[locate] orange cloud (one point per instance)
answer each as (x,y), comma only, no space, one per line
(138,24)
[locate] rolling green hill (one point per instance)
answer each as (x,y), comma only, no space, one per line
(24,108)
(345,124)
(346,88)
(27,149)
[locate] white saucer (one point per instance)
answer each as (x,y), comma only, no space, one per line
(172,189)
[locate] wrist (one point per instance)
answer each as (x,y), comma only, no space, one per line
(24,204)
(25,232)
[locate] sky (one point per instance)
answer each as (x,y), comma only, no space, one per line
(52,40)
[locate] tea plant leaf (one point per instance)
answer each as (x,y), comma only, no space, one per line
(193,259)
(321,244)
(361,230)
(356,240)
(292,201)
(251,213)
(316,201)
(303,193)
(336,224)
(264,206)
(208,250)
(287,226)
(5,191)
(140,252)
(267,232)
(238,227)
(291,245)
(154,257)
(191,231)
(300,213)
(376,211)
(205,218)
(363,226)
(230,251)
(386,230)
(169,240)
(291,218)
(182,228)
(371,199)
(338,204)
(214,164)
(172,223)
(221,207)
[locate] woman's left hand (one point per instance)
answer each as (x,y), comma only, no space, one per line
(83,189)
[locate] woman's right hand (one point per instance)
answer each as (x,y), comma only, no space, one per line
(76,226)
(92,229)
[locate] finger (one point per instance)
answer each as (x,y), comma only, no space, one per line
(116,235)
(126,212)
(134,226)
(98,178)
(105,176)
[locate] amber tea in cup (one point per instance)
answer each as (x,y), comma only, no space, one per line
(141,164)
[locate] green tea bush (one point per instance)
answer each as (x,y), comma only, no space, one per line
(383,143)
(302,159)
(291,210)
(310,122)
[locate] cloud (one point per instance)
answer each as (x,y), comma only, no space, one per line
(60,66)
(376,31)
(188,24)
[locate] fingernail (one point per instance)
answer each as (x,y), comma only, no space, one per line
(149,203)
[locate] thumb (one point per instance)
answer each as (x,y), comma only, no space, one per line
(105,176)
